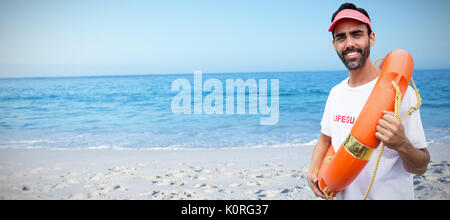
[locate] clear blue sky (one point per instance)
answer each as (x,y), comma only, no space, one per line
(93,37)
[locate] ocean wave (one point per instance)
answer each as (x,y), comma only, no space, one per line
(303,92)
(445,105)
(173,147)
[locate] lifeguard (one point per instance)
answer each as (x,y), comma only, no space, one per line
(405,153)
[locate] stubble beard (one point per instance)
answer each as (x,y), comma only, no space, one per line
(353,65)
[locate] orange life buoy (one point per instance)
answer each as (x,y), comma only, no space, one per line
(339,169)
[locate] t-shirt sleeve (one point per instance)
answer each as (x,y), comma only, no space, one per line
(326,118)
(413,123)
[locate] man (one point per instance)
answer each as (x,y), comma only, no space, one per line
(405,153)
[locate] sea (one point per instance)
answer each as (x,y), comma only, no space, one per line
(135,112)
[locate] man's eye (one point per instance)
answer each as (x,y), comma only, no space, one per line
(357,34)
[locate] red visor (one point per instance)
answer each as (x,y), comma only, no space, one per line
(352,14)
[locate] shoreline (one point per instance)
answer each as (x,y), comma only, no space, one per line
(225,174)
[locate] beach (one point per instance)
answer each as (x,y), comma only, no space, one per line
(179,174)
(212,100)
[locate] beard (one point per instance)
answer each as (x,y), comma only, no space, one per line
(355,64)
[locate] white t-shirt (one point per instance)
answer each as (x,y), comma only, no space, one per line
(392,181)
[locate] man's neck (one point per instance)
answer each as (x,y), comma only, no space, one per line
(364,74)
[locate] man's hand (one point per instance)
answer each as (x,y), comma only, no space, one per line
(391,132)
(312,181)
(322,146)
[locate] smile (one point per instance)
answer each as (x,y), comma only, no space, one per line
(352,55)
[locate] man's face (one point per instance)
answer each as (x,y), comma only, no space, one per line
(352,43)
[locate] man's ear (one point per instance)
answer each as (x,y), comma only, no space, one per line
(332,42)
(372,39)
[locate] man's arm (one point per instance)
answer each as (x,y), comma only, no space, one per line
(318,155)
(391,132)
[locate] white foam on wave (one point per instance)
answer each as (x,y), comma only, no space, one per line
(175,147)
(100,147)
(26,141)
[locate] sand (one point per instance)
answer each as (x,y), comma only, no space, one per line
(225,174)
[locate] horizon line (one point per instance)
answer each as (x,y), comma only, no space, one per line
(152,74)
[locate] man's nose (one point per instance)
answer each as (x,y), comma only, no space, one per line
(350,42)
